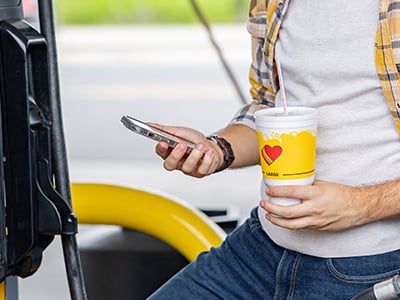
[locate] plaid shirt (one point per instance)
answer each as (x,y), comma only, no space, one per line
(264,23)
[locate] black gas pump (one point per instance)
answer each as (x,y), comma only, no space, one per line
(35,202)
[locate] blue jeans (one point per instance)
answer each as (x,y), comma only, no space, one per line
(248,265)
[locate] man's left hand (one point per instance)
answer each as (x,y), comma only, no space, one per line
(325,206)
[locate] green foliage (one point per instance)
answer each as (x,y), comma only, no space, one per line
(148,11)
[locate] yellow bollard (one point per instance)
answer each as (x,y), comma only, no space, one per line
(172,220)
(2,290)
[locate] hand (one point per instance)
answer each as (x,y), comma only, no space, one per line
(325,206)
(203,160)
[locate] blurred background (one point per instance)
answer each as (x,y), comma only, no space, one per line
(152,60)
(148,12)
(133,12)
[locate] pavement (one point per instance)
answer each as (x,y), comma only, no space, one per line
(168,74)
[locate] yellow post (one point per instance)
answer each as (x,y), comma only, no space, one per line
(2,290)
(170,219)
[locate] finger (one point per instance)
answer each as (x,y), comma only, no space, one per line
(288,212)
(291,191)
(192,162)
(175,130)
(308,222)
(293,224)
(162,149)
(173,160)
(208,163)
(163,127)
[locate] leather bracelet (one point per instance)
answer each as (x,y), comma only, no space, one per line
(226,149)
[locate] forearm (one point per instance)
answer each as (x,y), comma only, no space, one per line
(380,201)
(243,139)
(244,144)
(332,206)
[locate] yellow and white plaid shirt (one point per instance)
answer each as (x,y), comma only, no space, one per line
(264,24)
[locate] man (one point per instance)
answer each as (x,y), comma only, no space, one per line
(343,58)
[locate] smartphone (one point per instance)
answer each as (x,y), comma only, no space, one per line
(155,133)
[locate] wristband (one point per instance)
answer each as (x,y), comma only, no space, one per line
(226,149)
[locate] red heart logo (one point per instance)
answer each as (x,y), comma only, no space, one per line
(270,154)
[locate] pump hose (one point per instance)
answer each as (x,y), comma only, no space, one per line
(60,165)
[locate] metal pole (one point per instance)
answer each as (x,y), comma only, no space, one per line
(214,43)
(60,167)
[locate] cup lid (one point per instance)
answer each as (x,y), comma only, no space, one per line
(294,113)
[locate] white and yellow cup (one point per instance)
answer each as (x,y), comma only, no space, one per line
(287,145)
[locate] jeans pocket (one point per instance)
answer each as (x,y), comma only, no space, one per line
(253,221)
(365,269)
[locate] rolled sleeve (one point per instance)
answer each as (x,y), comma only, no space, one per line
(261,90)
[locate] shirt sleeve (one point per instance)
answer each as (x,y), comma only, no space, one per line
(261,95)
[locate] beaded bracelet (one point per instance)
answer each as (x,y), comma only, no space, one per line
(226,149)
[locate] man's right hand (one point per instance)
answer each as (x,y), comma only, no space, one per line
(203,160)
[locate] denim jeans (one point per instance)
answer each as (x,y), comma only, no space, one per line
(248,265)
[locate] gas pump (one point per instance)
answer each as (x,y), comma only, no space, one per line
(35,202)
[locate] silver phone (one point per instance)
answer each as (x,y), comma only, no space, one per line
(155,133)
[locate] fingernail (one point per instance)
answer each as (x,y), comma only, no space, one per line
(163,146)
(181,147)
(200,146)
(210,153)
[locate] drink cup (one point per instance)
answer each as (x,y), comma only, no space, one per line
(287,145)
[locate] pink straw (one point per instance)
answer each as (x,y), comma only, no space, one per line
(283,96)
